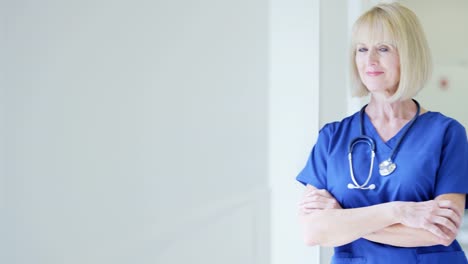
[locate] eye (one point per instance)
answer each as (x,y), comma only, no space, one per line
(383,49)
(362,49)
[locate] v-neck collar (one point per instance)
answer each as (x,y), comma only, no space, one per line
(371,131)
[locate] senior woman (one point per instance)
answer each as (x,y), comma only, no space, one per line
(388,184)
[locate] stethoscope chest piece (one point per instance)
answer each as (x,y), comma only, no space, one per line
(386,167)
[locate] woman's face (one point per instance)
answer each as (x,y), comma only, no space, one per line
(379,67)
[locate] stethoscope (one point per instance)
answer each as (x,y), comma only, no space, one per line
(387,166)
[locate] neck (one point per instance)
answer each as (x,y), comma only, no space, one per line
(379,108)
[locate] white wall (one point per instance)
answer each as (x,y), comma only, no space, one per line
(445,24)
(294,120)
(446,27)
(334,46)
(3,66)
(309,87)
(136,132)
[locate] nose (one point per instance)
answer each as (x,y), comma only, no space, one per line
(372,57)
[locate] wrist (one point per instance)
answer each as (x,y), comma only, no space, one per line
(397,211)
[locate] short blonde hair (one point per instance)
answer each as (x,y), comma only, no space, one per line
(398,26)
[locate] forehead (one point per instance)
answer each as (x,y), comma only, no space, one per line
(373,31)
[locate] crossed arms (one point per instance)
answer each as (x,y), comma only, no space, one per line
(403,224)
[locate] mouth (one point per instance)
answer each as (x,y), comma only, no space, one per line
(374,73)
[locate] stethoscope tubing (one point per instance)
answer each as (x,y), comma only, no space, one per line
(371,143)
(362,138)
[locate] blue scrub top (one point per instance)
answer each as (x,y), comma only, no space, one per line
(431,160)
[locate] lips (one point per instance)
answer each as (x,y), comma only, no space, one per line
(374,73)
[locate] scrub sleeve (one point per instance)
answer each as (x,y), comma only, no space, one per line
(452,176)
(315,170)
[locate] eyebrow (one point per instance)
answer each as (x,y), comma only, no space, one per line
(376,44)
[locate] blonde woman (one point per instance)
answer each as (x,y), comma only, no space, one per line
(388,184)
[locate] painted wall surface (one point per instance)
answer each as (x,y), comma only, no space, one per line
(294,120)
(3,66)
(334,47)
(135,132)
(446,27)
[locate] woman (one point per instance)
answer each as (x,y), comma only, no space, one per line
(388,184)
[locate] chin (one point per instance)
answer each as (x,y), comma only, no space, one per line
(374,88)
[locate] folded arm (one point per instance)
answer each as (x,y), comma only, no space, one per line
(403,224)
(404,236)
(335,227)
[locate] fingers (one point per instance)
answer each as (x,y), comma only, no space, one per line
(445,222)
(448,232)
(434,229)
(318,199)
(318,205)
(450,205)
(451,215)
(315,198)
(448,215)
(321,192)
(317,202)
(324,193)
(444,213)
(438,217)
(317,195)
(315,206)
(446,239)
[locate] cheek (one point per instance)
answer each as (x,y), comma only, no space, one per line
(396,70)
(358,60)
(359,64)
(396,66)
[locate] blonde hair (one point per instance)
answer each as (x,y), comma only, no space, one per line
(398,26)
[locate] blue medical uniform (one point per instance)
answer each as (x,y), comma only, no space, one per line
(431,160)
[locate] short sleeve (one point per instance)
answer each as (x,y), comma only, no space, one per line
(315,170)
(452,176)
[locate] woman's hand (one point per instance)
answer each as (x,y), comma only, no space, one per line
(438,217)
(317,199)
